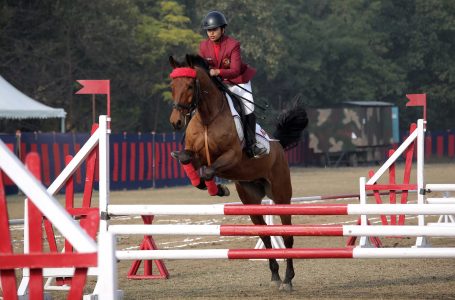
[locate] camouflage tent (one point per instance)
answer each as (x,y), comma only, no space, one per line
(355,129)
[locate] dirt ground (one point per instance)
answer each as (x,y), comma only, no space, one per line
(246,279)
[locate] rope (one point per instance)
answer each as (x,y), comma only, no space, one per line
(207,152)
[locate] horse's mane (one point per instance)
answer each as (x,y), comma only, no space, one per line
(194,60)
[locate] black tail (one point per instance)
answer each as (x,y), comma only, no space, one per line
(290,126)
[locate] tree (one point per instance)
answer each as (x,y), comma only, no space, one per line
(47,46)
(422,36)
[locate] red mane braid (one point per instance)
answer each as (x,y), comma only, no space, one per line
(183,72)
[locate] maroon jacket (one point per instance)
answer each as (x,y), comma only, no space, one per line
(230,60)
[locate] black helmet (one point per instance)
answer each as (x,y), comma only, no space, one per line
(214,19)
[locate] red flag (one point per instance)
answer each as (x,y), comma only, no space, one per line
(94,87)
(418,100)
(97,87)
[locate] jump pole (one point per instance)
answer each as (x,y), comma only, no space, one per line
(295,253)
(294,209)
(286,230)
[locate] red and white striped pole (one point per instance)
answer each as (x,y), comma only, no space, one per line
(293,209)
(297,253)
(286,230)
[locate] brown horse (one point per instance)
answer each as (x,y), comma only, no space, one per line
(212,142)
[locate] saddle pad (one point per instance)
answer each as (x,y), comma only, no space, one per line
(261,135)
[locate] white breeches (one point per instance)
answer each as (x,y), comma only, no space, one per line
(248,105)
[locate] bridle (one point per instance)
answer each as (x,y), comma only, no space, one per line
(189,108)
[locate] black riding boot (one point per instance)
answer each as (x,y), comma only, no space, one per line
(253,149)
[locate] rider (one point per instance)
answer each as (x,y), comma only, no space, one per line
(222,52)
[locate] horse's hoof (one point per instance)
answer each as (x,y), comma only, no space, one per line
(275,284)
(286,287)
(185,157)
(223,191)
(201,185)
(208,173)
(175,155)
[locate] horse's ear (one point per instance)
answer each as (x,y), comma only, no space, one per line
(189,60)
(173,62)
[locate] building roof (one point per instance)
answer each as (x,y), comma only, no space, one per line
(16,105)
(368,103)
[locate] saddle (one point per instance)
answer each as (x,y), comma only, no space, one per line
(261,135)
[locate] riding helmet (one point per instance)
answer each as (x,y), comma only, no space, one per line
(214,19)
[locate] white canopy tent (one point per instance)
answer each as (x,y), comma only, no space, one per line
(16,105)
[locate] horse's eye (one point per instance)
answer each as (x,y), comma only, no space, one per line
(190,87)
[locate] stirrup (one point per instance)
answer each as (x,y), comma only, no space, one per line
(256,151)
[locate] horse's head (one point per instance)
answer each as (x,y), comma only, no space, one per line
(185,88)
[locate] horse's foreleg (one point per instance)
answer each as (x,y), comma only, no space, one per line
(186,159)
(224,162)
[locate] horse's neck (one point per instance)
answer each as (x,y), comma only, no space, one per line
(212,104)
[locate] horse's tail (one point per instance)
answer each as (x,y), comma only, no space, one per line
(290,125)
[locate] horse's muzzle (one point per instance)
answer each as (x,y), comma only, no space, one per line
(177,120)
(178,125)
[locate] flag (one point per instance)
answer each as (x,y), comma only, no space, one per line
(417,100)
(97,87)
(94,87)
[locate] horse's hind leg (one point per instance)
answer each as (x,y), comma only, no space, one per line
(252,193)
(289,243)
(273,264)
(281,192)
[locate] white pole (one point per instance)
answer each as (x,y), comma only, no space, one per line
(440,187)
(364,241)
(387,230)
(166,229)
(172,254)
(404,253)
(449,201)
(107,266)
(393,157)
(421,241)
(400,209)
(77,160)
(176,210)
(104,171)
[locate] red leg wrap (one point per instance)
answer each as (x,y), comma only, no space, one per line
(192,174)
(212,187)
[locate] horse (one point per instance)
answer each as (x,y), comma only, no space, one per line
(213,146)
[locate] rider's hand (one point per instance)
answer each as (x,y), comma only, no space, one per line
(214,72)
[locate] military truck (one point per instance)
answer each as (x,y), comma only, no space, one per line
(353,132)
